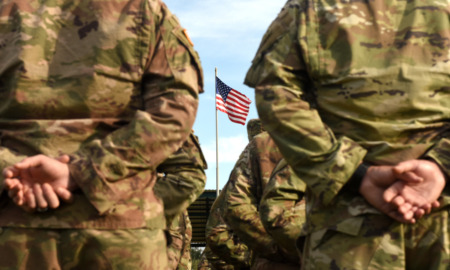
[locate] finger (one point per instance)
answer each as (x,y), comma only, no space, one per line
(405,166)
(11,183)
(30,199)
(410,177)
(63,158)
(400,217)
(398,201)
(419,213)
(18,199)
(392,192)
(64,194)
(40,199)
(435,204)
(405,208)
(10,172)
(427,208)
(50,196)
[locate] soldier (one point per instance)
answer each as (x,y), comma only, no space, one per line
(224,249)
(181,180)
(95,96)
(355,95)
(284,218)
(245,187)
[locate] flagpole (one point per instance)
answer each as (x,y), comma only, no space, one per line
(217,138)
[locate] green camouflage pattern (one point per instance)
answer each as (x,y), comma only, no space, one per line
(243,193)
(224,248)
(178,252)
(382,244)
(185,262)
(182,178)
(90,249)
(337,83)
(204,264)
(284,217)
(113,84)
(254,127)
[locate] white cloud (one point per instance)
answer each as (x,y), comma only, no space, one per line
(229,149)
(214,19)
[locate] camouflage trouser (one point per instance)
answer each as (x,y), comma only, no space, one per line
(36,249)
(383,244)
(178,252)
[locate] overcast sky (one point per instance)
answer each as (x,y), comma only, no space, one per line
(226,34)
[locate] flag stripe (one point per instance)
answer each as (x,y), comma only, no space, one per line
(232,102)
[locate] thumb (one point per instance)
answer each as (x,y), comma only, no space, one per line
(409,177)
(63,158)
(34,161)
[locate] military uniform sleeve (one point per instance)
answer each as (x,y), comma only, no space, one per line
(104,168)
(285,103)
(440,153)
(241,212)
(282,209)
(184,177)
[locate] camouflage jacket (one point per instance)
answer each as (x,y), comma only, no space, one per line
(182,178)
(244,191)
(341,82)
(225,249)
(113,84)
(284,217)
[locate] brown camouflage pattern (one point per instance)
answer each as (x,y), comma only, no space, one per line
(225,249)
(284,217)
(254,127)
(178,252)
(90,249)
(113,84)
(324,112)
(243,193)
(182,178)
(341,82)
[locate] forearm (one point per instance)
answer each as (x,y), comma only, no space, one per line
(179,190)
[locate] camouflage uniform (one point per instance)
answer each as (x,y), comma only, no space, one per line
(114,85)
(243,195)
(224,250)
(185,262)
(343,82)
(284,218)
(182,180)
(204,263)
(178,252)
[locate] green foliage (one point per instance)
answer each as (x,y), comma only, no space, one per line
(196,253)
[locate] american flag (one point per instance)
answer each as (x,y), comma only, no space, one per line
(231,102)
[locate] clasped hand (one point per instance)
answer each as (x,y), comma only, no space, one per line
(406,191)
(39,182)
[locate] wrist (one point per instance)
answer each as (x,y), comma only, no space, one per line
(354,183)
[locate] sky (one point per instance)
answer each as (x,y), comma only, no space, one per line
(226,35)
